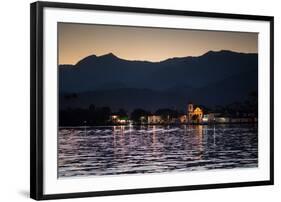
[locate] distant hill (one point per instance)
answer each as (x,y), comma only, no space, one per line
(215,78)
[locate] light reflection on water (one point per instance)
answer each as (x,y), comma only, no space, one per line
(115,150)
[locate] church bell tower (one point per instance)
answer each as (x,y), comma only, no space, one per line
(190,111)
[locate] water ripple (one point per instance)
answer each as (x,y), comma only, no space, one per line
(116,150)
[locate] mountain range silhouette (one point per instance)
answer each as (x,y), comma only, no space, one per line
(214,78)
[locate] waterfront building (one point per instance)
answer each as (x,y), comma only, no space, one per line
(208,118)
(222,119)
(114,118)
(154,119)
(117,119)
(183,119)
(194,114)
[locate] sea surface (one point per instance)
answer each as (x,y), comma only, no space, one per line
(114,150)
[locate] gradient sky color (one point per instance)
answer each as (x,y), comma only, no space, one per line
(77,41)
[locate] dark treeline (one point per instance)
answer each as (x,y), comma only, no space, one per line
(250,105)
(90,116)
(102,115)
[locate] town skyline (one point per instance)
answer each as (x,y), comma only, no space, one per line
(146,43)
(243,112)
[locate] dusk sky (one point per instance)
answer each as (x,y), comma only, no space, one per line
(77,41)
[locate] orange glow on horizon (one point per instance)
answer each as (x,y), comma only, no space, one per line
(77,41)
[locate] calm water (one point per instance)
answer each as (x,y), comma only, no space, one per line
(153,149)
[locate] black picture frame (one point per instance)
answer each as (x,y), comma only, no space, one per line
(36,99)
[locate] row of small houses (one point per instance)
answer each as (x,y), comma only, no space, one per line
(219,118)
(193,116)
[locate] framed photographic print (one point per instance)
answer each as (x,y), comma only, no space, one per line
(134,100)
